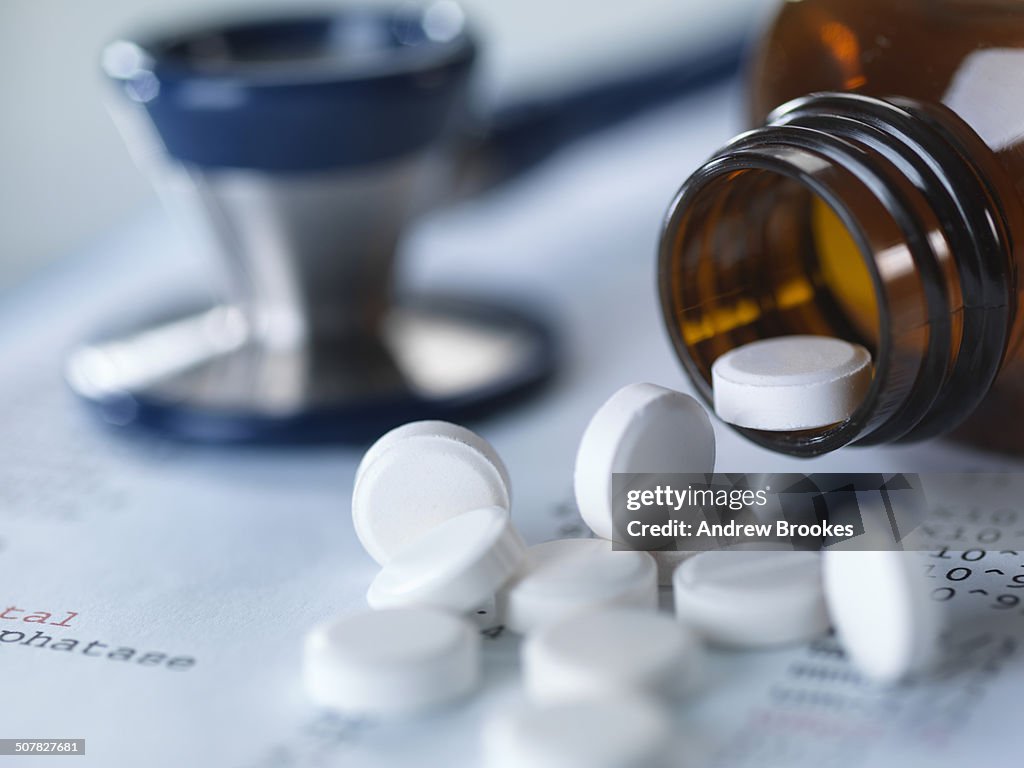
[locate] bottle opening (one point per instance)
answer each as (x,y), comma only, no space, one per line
(857,218)
(758,254)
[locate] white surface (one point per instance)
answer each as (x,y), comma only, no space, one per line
(609,653)
(882,612)
(394,662)
(458,565)
(641,428)
(571,576)
(625,732)
(791,382)
(419,476)
(230,556)
(749,599)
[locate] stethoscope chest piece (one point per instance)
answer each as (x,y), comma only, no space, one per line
(302,148)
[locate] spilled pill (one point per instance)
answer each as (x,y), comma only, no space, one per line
(752,599)
(418,476)
(608,653)
(884,616)
(791,382)
(458,564)
(391,662)
(620,732)
(641,428)
(570,576)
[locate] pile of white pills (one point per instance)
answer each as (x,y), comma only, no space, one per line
(601,663)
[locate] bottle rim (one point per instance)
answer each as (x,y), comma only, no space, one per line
(877,163)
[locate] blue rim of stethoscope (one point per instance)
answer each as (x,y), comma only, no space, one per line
(215,105)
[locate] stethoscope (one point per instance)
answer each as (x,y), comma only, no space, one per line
(302,147)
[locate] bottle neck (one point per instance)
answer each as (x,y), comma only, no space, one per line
(854,217)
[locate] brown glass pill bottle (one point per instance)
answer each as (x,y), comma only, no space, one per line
(881,200)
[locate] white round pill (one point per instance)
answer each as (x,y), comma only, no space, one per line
(641,428)
(610,652)
(391,662)
(419,475)
(570,576)
(884,616)
(457,565)
(624,732)
(751,599)
(432,428)
(791,382)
